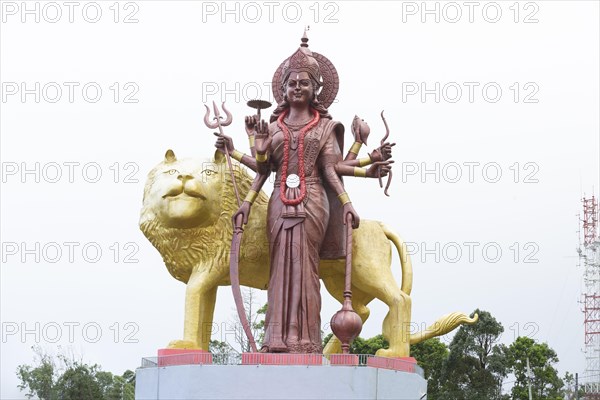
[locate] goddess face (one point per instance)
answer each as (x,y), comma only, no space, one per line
(299,89)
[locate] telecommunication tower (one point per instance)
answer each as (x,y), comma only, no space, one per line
(589,254)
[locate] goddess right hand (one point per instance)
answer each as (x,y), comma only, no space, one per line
(250,123)
(262,139)
(244,212)
(349,209)
(224,142)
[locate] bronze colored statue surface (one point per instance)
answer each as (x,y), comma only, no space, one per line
(302,147)
(291,239)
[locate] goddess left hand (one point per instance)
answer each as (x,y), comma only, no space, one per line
(379,169)
(382,153)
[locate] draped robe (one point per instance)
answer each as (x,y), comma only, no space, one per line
(298,235)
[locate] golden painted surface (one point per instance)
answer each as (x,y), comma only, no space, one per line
(261,157)
(237,155)
(360,172)
(355,148)
(251,196)
(365,161)
(186,215)
(344,198)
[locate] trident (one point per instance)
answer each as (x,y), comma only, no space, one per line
(220,124)
(236,239)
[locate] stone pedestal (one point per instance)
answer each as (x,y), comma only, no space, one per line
(168,357)
(337,378)
(343,359)
(406,364)
(281,359)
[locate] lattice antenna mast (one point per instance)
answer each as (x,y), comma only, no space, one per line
(589,255)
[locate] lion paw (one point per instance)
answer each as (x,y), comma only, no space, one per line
(182,344)
(391,353)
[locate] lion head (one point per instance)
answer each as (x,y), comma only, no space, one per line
(187,209)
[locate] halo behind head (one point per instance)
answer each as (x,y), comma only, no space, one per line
(317,66)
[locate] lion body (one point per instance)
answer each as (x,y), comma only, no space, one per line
(186,215)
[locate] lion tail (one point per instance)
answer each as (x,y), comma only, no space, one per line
(405,263)
(443,325)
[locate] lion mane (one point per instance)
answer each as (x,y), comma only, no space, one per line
(183,249)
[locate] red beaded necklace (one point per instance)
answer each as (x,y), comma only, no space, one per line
(286,157)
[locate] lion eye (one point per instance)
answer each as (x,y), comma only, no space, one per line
(171,171)
(209,172)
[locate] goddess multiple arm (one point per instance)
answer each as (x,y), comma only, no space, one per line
(379,161)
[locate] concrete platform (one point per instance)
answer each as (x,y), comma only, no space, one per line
(206,381)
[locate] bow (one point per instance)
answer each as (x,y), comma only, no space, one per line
(389,181)
(236,242)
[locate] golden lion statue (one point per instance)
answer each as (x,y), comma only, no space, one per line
(186,215)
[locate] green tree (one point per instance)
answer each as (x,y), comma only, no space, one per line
(118,387)
(569,388)
(256,318)
(368,346)
(129,388)
(221,351)
(363,346)
(116,390)
(69,379)
(545,382)
(79,381)
(258,325)
(431,355)
(38,381)
(476,365)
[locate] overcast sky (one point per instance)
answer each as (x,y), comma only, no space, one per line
(494,108)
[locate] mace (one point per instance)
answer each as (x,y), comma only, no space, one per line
(346,323)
